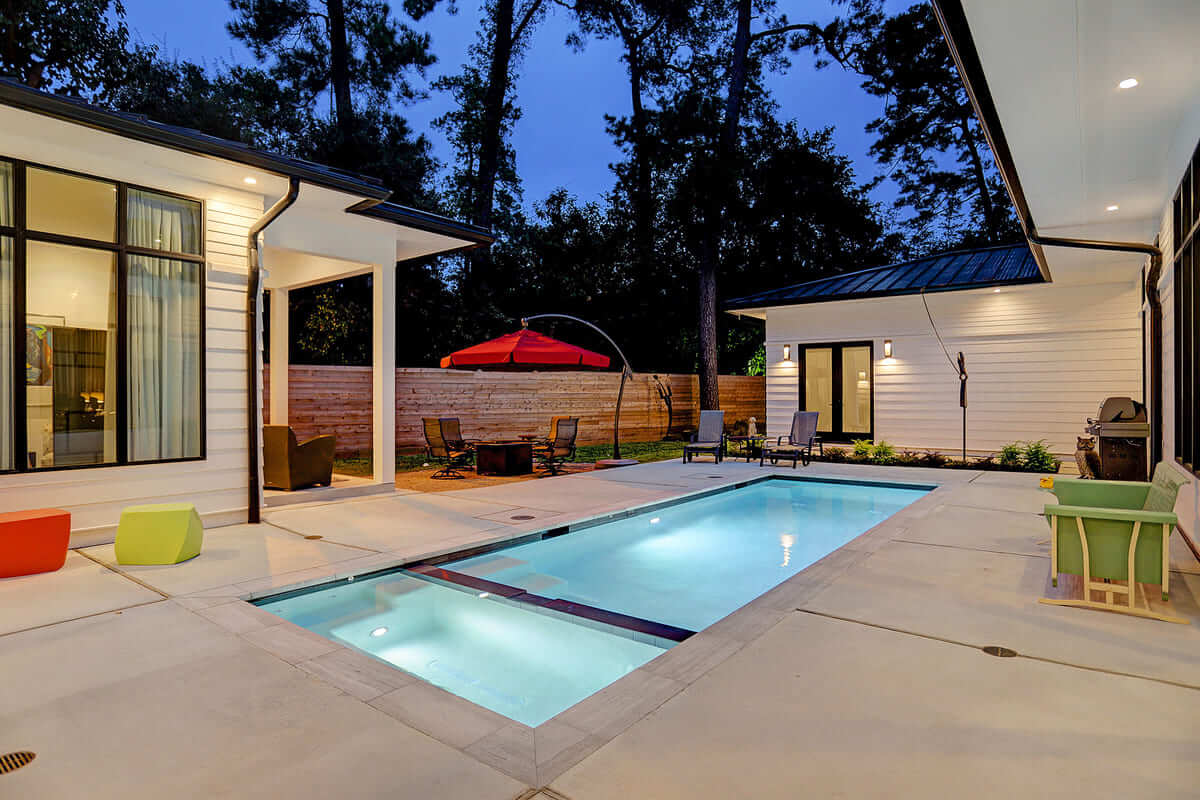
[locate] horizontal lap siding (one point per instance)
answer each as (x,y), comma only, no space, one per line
(498,404)
(217,485)
(1040,360)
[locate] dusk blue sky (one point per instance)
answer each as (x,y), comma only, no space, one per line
(564,95)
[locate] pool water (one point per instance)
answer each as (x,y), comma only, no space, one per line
(523,664)
(691,564)
(528,655)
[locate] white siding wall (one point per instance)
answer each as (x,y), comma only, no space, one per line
(218,484)
(1040,359)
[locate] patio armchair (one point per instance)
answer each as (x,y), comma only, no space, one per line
(560,448)
(1107,531)
(291,465)
(444,444)
(710,438)
(797,445)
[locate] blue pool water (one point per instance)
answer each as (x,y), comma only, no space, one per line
(685,565)
(690,564)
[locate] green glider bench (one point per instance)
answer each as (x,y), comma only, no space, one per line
(1113,531)
(167,533)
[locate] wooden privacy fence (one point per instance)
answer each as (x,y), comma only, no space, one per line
(494,405)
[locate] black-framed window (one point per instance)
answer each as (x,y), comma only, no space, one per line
(837,380)
(1185,220)
(101,322)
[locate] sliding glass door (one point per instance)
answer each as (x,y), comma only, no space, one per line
(837,381)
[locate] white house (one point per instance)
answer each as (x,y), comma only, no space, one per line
(133,258)
(862,349)
(1093,113)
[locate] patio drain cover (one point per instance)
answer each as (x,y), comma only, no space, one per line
(14,761)
(522,516)
(1000,652)
(314,536)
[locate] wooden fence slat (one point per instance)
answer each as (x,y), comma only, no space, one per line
(501,404)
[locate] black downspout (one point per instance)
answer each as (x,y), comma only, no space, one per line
(253,376)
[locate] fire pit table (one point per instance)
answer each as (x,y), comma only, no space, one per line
(504,458)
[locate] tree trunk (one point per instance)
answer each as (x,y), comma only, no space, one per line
(643,193)
(721,184)
(985,196)
(339,61)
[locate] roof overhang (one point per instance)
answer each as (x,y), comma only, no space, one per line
(1043,78)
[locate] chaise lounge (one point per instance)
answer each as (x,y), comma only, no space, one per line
(710,438)
(797,445)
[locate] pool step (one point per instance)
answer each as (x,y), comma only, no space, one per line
(537,583)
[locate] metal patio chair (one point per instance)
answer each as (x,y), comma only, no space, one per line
(710,438)
(444,444)
(558,450)
(797,445)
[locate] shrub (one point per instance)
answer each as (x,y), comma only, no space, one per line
(934,459)
(863,448)
(1010,455)
(1035,457)
(883,453)
(835,455)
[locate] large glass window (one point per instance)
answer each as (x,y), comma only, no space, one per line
(70,355)
(68,205)
(111,308)
(836,381)
(1186,290)
(164,358)
(6,353)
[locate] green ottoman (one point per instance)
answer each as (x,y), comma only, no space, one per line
(166,533)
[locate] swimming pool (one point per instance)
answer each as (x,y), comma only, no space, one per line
(530,629)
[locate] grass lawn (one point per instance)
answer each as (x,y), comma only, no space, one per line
(642,451)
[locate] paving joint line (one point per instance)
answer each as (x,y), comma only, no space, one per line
(1173,570)
(124,574)
(286,529)
(1043,659)
(83,616)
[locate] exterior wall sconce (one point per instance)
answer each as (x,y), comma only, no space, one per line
(887,348)
(787,352)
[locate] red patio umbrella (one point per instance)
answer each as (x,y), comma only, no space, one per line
(525,349)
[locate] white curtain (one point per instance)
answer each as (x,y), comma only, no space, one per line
(164,358)
(163,223)
(6,193)
(6,354)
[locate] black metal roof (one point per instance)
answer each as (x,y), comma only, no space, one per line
(944,272)
(136,126)
(426,221)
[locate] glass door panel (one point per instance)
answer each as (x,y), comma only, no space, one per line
(856,390)
(818,385)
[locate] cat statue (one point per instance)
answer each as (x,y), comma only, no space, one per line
(1086,457)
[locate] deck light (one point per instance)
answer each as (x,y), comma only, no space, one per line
(380,631)
(1128,83)
(1113,207)
(887,348)
(250,180)
(484,594)
(787,352)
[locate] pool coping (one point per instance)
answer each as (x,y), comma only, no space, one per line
(538,755)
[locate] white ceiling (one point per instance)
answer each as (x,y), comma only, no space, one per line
(1079,142)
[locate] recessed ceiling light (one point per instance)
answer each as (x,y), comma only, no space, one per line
(379,631)
(1128,83)
(1113,207)
(249,179)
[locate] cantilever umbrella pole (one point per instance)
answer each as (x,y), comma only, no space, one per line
(626,371)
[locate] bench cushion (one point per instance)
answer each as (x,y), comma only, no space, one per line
(164,533)
(33,541)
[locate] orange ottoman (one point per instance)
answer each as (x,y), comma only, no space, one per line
(33,541)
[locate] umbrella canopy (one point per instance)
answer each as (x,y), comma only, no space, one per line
(525,349)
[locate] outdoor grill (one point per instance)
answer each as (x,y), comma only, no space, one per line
(1121,431)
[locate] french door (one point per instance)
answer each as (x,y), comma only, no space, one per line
(837,381)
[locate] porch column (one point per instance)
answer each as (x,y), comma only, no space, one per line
(279,356)
(383,373)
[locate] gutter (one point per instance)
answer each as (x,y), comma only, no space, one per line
(952,19)
(253,374)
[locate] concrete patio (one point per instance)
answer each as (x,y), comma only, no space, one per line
(859,677)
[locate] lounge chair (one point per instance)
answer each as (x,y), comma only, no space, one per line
(710,438)
(1113,531)
(292,465)
(798,444)
(444,444)
(560,448)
